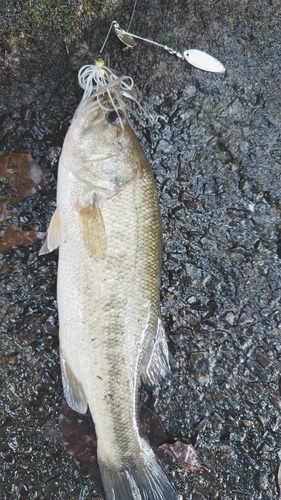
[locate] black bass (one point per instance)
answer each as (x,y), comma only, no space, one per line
(108,229)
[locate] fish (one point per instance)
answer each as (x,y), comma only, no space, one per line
(107,226)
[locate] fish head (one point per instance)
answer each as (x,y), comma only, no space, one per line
(100,118)
(97,126)
(101,146)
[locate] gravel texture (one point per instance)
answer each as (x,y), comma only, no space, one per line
(215,150)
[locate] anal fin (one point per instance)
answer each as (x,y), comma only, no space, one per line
(94,235)
(156,367)
(73,390)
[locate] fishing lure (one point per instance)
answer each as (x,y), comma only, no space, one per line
(101,82)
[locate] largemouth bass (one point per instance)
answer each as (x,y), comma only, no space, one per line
(108,229)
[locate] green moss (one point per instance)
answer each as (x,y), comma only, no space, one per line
(49,20)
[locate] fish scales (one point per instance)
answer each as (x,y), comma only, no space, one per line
(124,283)
(111,335)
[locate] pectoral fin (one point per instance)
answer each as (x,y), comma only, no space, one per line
(156,366)
(73,390)
(53,238)
(94,235)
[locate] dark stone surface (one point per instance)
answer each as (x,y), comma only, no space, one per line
(215,150)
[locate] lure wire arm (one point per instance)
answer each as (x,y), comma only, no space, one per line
(108,33)
(196,58)
(121,33)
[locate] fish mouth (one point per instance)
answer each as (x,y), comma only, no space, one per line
(110,92)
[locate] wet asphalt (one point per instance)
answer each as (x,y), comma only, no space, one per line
(214,146)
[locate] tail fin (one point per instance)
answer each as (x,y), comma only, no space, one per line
(144,480)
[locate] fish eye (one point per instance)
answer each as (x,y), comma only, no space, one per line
(113,117)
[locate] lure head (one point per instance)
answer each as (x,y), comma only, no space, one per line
(100,61)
